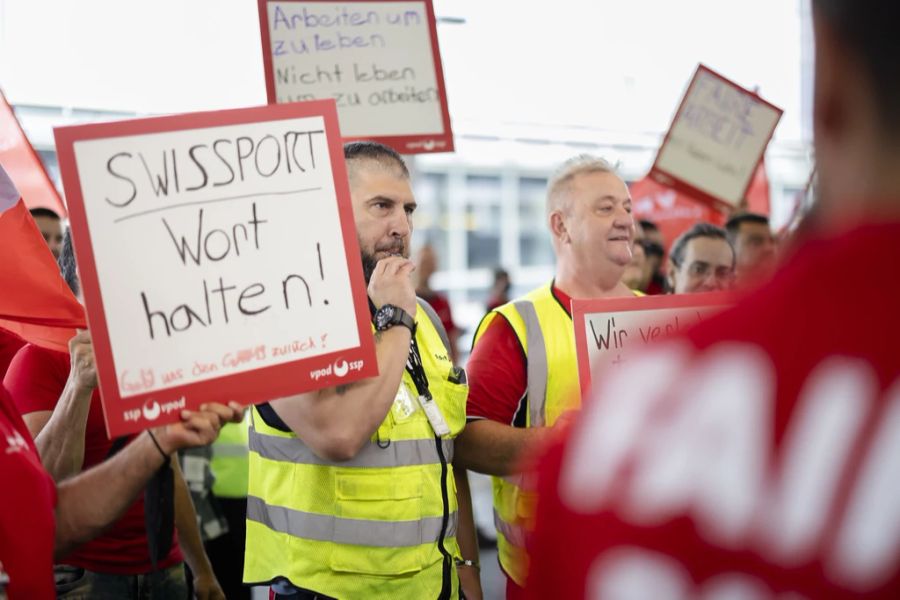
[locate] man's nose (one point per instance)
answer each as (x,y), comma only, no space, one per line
(623,219)
(401,225)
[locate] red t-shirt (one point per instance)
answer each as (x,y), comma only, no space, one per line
(27,502)
(35,380)
(757,457)
(9,345)
(497,371)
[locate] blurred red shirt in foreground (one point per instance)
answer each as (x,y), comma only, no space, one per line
(758,457)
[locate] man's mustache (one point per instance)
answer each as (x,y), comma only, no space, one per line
(394,248)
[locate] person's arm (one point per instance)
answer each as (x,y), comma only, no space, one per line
(336,423)
(469,576)
(93,500)
(206,586)
(59,434)
(497,373)
(493,448)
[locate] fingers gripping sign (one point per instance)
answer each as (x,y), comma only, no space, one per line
(84,368)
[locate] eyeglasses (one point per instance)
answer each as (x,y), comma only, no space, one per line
(703,270)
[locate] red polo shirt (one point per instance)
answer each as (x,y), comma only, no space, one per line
(27,502)
(35,380)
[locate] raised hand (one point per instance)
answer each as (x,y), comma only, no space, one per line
(391,284)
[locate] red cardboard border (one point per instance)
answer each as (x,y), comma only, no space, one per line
(253,386)
(673,181)
(582,308)
(404,144)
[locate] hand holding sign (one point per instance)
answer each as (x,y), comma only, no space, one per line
(197,428)
(84,367)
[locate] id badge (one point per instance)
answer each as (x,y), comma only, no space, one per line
(435,416)
(404,405)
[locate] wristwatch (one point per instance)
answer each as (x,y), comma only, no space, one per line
(389,315)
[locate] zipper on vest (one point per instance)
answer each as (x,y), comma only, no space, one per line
(446,581)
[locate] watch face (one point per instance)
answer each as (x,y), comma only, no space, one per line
(383,316)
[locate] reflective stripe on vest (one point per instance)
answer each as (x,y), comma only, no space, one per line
(514,534)
(546,334)
(231,450)
(359,532)
(230,461)
(399,453)
(537,363)
(371,526)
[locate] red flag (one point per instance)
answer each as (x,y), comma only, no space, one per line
(758,192)
(35,303)
(23,165)
(674,212)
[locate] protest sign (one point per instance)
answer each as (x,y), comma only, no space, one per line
(716,140)
(218,258)
(608,331)
(379,60)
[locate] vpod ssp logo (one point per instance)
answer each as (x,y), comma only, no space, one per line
(338,368)
(341,368)
(151,410)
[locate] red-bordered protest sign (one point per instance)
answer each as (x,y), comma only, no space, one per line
(218,256)
(609,330)
(378,59)
(716,140)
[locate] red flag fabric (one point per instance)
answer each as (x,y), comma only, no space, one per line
(758,193)
(35,302)
(674,212)
(23,165)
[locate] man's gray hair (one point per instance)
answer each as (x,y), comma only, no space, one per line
(577,165)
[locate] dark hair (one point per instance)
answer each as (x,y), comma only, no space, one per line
(733,225)
(652,248)
(66,262)
(648,225)
(380,153)
(870,30)
(707,230)
(43,212)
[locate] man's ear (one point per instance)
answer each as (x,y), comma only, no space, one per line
(671,276)
(558,226)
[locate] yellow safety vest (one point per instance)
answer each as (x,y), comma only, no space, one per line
(380,525)
(229,462)
(544,330)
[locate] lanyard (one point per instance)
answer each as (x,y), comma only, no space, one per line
(426,401)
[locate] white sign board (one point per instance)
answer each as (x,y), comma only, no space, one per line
(378,60)
(716,140)
(609,331)
(211,246)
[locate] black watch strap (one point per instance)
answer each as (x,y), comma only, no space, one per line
(401,317)
(398,317)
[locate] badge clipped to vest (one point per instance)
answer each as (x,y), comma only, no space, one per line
(434,414)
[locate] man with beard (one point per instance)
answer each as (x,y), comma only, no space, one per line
(351,491)
(524,375)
